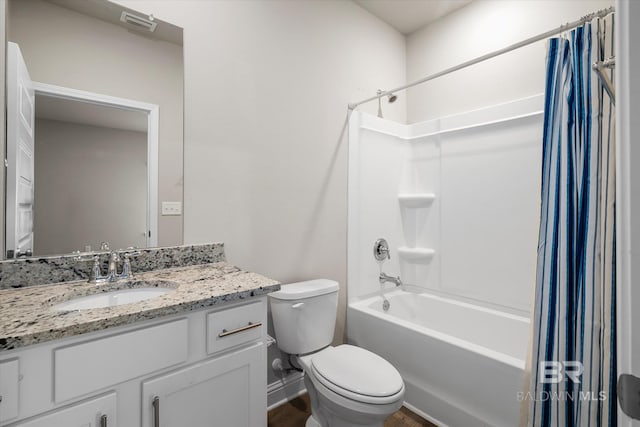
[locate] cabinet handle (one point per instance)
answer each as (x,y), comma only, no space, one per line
(103,421)
(156,411)
(226,333)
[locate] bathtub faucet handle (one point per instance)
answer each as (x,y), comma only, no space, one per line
(381,250)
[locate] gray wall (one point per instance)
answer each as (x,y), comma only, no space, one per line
(65,48)
(90,186)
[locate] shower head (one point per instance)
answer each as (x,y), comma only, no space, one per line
(391,98)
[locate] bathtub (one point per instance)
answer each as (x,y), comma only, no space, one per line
(462,364)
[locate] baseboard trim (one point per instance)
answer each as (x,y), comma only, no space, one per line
(282,391)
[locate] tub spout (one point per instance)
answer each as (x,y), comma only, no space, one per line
(384,278)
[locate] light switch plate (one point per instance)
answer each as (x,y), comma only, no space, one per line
(171,208)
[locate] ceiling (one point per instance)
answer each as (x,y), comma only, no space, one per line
(408,16)
(66,110)
(110,12)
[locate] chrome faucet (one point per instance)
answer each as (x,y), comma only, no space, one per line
(381,250)
(384,278)
(96,276)
(112,272)
(126,266)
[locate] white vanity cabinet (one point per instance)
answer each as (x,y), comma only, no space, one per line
(98,412)
(204,368)
(223,391)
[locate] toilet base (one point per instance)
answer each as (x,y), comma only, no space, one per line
(331,410)
(311,422)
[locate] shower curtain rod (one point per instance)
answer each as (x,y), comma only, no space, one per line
(565,27)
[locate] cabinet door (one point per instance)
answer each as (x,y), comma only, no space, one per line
(100,412)
(9,378)
(226,391)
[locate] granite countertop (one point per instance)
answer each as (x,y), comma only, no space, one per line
(27,316)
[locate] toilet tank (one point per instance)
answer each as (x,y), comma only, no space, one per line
(304,315)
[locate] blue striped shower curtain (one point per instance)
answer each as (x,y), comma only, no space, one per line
(573,369)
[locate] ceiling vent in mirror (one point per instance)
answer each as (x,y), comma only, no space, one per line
(138,22)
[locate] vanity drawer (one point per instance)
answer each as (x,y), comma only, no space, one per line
(234,326)
(90,366)
(93,413)
(9,377)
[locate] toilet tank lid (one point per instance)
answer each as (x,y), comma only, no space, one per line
(306,289)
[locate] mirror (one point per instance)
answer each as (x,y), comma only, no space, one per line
(92,178)
(94,128)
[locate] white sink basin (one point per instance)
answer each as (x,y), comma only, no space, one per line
(112,299)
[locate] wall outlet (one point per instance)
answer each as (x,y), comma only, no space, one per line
(171,208)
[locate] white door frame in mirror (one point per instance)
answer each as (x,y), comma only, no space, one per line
(152,111)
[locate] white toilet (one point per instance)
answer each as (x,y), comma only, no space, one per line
(348,386)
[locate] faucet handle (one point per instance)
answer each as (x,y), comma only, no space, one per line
(126,269)
(86,258)
(96,274)
(381,250)
(131,252)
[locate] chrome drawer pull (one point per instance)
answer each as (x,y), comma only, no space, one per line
(226,333)
(156,411)
(103,421)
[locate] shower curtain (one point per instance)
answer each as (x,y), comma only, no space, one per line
(573,354)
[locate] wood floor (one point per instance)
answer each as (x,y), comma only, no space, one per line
(296,412)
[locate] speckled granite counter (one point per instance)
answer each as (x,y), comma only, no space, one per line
(40,270)
(27,317)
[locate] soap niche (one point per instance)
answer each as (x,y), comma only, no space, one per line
(418,201)
(415,209)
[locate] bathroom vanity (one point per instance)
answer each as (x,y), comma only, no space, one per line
(185,358)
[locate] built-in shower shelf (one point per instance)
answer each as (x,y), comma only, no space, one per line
(416,200)
(416,255)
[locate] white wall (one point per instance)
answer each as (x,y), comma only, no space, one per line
(65,48)
(267,85)
(479,28)
(91,186)
(483,222)
(490,206)
(379,169)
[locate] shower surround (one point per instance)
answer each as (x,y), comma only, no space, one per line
(457,198)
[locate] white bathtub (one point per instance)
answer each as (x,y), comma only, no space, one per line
(462,364)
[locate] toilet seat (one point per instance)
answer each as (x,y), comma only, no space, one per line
(357,374)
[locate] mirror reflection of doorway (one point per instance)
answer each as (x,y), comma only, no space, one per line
(90,176)
(85,46)
(84,169)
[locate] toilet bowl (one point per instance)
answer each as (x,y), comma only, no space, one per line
(348,386)
(351,386)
